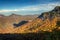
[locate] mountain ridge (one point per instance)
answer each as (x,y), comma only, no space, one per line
(47,21)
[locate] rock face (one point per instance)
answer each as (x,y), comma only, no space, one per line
(47,21)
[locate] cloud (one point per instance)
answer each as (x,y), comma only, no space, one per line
(21,9)
(6,10)
(49,6)
(32,9)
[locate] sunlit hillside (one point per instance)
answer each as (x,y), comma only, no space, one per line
(47,21)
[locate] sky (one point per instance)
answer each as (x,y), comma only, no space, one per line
(27,7)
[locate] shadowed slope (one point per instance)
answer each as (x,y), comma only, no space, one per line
(20,23)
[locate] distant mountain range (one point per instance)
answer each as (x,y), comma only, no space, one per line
(47,21)
(6,22)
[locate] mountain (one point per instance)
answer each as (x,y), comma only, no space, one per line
(7,22)
(47,21)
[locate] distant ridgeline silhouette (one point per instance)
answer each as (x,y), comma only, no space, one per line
(20,23)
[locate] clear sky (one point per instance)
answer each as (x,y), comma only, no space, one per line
(27,7)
